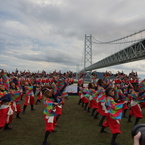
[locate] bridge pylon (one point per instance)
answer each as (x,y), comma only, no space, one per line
(87,51)
(88,54)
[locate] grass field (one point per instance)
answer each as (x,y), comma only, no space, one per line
(76,127)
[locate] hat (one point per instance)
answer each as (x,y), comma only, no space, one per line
(6,98)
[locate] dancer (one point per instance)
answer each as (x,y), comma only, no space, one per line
(29,96)
(101,100)
(6,111)
(113,116)
(136,98)
(92,103)
(16,97)
(49,113)
(120,97)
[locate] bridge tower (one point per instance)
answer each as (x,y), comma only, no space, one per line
(88,51)
(88,55)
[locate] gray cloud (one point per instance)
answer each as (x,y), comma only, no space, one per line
(50,56)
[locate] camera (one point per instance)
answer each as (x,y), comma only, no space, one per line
(139,128)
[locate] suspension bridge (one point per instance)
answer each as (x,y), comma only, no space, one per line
(133,49)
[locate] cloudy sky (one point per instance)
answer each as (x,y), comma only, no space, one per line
(49,34)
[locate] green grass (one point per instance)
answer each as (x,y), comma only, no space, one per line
(76,127)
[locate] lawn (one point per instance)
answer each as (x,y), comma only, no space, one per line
(75,127)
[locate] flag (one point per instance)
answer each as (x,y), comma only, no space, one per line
(29,90)
(117,113)
(2,94)
(55,90)
(60,84)
(125,90)
(16,96)
(5,81)
(137,97)
(86,90)
(141,86)
(115,109)
(37,91)
(64,94)
(49,108)
(101,94)
(101,98)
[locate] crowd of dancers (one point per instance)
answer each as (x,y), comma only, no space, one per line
(111,97)
(32,88)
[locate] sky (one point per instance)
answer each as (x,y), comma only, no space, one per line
(49,34)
